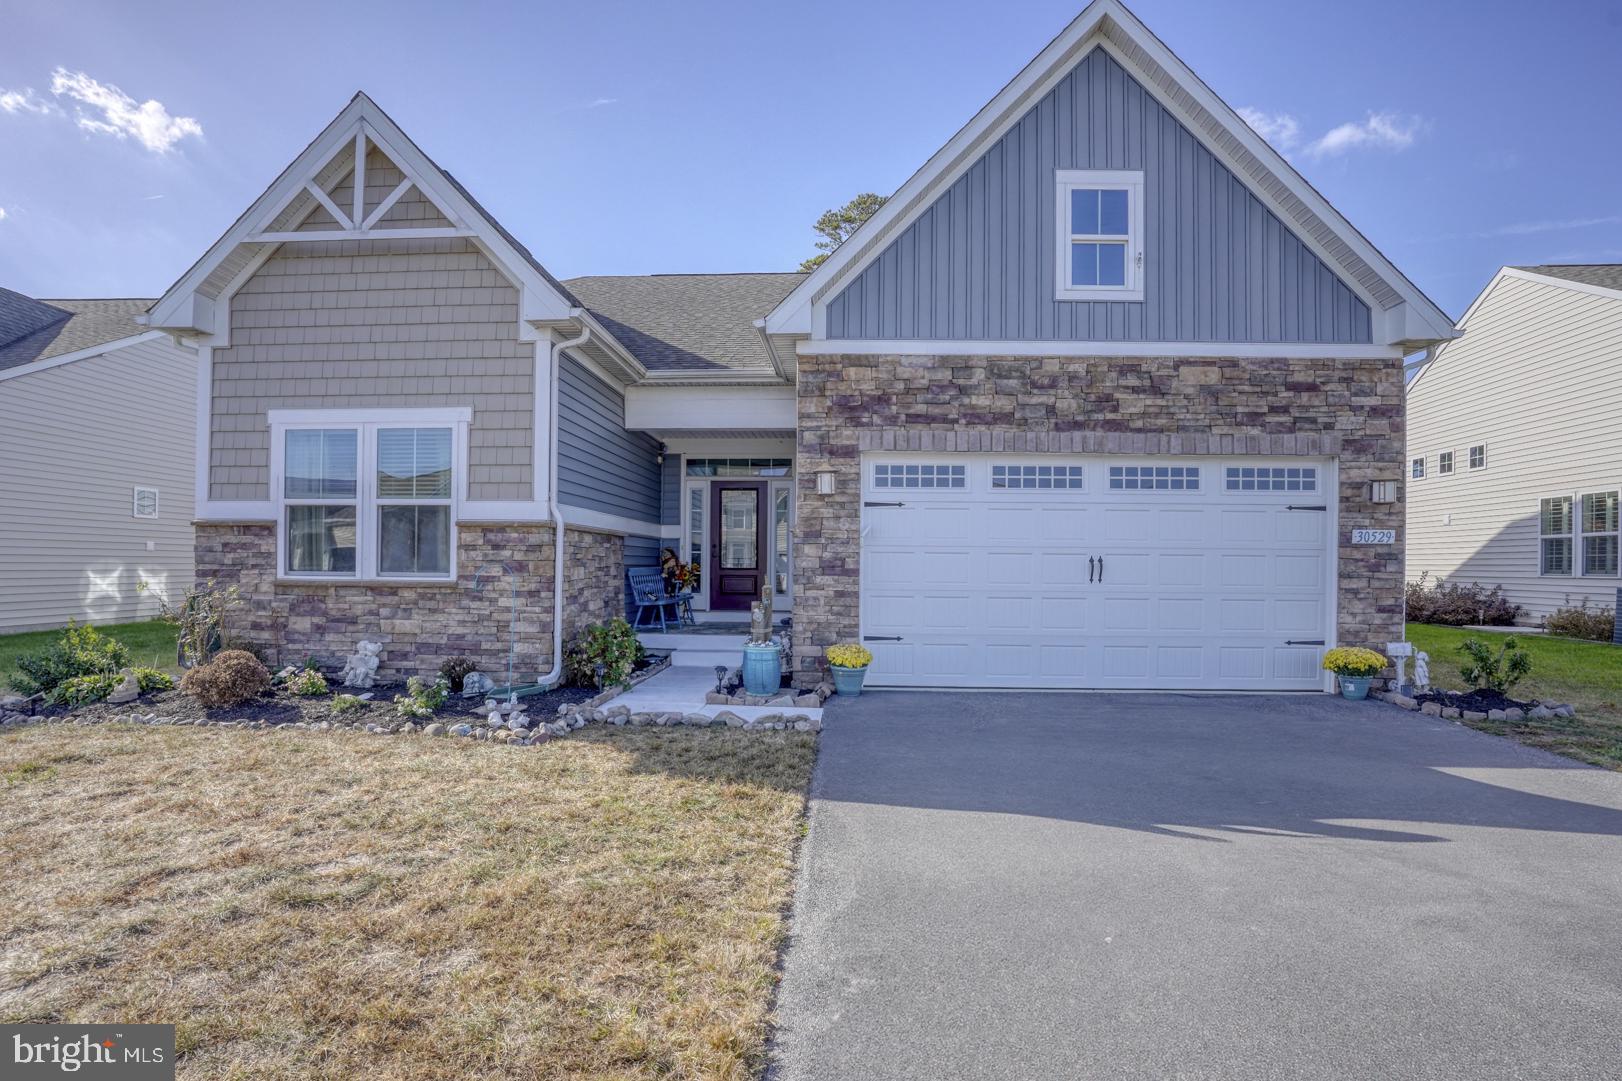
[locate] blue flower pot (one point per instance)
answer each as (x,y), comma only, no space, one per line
(762,669)
(848,680)
(1355,687)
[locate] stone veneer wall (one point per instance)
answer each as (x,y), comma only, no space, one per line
(421,625)
(1348,409)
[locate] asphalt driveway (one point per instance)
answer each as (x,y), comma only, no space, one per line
(1169,886)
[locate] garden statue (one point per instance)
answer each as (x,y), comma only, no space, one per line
(361,668)
(1422,671)
(128,689)
(475,684)
(760,618)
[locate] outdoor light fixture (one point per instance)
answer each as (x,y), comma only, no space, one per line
(1382,491)
(720,677)
(825,481)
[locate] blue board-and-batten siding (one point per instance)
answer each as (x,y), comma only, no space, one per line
(640,552)
(979,263)
(601,466)
(670,501)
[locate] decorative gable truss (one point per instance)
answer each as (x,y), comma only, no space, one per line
(363,180)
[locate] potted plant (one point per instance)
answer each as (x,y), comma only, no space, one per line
(848,661)
(1356,667)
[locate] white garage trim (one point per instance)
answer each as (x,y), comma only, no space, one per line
(978,570)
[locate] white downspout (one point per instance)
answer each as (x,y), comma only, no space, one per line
(555,374)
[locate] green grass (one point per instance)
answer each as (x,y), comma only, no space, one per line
(1586,674)
(151,643)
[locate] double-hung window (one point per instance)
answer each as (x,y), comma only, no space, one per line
(1100,235)
(1600,534)
(1418,468)
(1554,535)
(1444,462)
(368,493)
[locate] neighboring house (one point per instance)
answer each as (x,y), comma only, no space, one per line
(96,422)
(1095,400)
(1515,463)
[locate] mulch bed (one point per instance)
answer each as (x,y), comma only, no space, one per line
(1477,700)
(278,706)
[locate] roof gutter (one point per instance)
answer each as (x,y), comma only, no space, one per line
(771,352)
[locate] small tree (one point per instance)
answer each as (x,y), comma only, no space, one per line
(1491,671)
(200,619)
(836,226)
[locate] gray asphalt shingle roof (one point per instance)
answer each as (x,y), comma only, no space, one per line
(687,322)
(33,330)
(1604,275)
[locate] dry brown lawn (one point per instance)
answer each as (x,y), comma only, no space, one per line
(342,906)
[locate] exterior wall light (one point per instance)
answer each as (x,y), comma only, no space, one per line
(826,481)
(1382,491)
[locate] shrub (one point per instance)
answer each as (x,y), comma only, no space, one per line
(346,703)
(308,683)
(80,651)
(1354,662)
(1454,605)
(849,655)
(455,670)
(231,678)
(200,619)
(613,645)
(422,698)
(1597,625)
(1491,671)
(82,690)
(150,680)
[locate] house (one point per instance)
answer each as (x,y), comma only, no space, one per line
(1514,461)
(96,416)
(1098,399)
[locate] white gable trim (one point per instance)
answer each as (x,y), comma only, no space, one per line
(187,308)
(83,354)
(1401,313)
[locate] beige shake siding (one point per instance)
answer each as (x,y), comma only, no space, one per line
(375,324)
(1537,379)
(75,440)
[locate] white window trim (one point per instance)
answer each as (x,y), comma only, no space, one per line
(1128,180)
(366,422)
(1580,535)
(1570,535)
(1420,473)
(1469,456)
(1452,463)
(135,502)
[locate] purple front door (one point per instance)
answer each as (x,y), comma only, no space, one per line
(737,544)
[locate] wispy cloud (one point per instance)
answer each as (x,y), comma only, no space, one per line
(1378,131)
(1531,228)
(2,213)
(598,103)
(1280,129)
(104,109)
(24,101)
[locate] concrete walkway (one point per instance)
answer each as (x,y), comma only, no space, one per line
(1127,886)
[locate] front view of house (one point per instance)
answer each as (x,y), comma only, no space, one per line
(1105,396)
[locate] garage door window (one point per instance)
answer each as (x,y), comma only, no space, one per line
(915,475)
(1037,476)
(1164,478)
(1272,479)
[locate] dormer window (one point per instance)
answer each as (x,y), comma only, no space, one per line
(1100,235)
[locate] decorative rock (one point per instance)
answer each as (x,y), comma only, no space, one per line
(128,690)
(1474,715)
(697,720)
(1431,709)
(539,737)
(805,701)
(781,700)
(1497,715)
(623,711)
(1541,713)
(730,719)
(367,697)
(461,730)
(802,726)
(769,718)
(754,700)
(1402,700)
(716,699)
(1514,713)
(434,730)
(518,722)
(1451,713)
(1565,711)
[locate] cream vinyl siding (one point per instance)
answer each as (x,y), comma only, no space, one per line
(375,324)
(76,440)
(1537,378)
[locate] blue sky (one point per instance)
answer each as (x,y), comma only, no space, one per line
(619,138)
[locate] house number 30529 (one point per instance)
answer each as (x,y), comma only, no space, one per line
(1374,536)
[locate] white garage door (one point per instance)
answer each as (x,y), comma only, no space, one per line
(1020,571)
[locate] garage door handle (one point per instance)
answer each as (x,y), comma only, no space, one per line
(1100,568)
(884,504)
(1089,568)
(1294,506)
(1303,641)
(881,638)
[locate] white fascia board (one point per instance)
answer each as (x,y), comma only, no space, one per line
(964,348)
(803,310)
(601,522)
(720,408)
(85,354)
(450,414)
